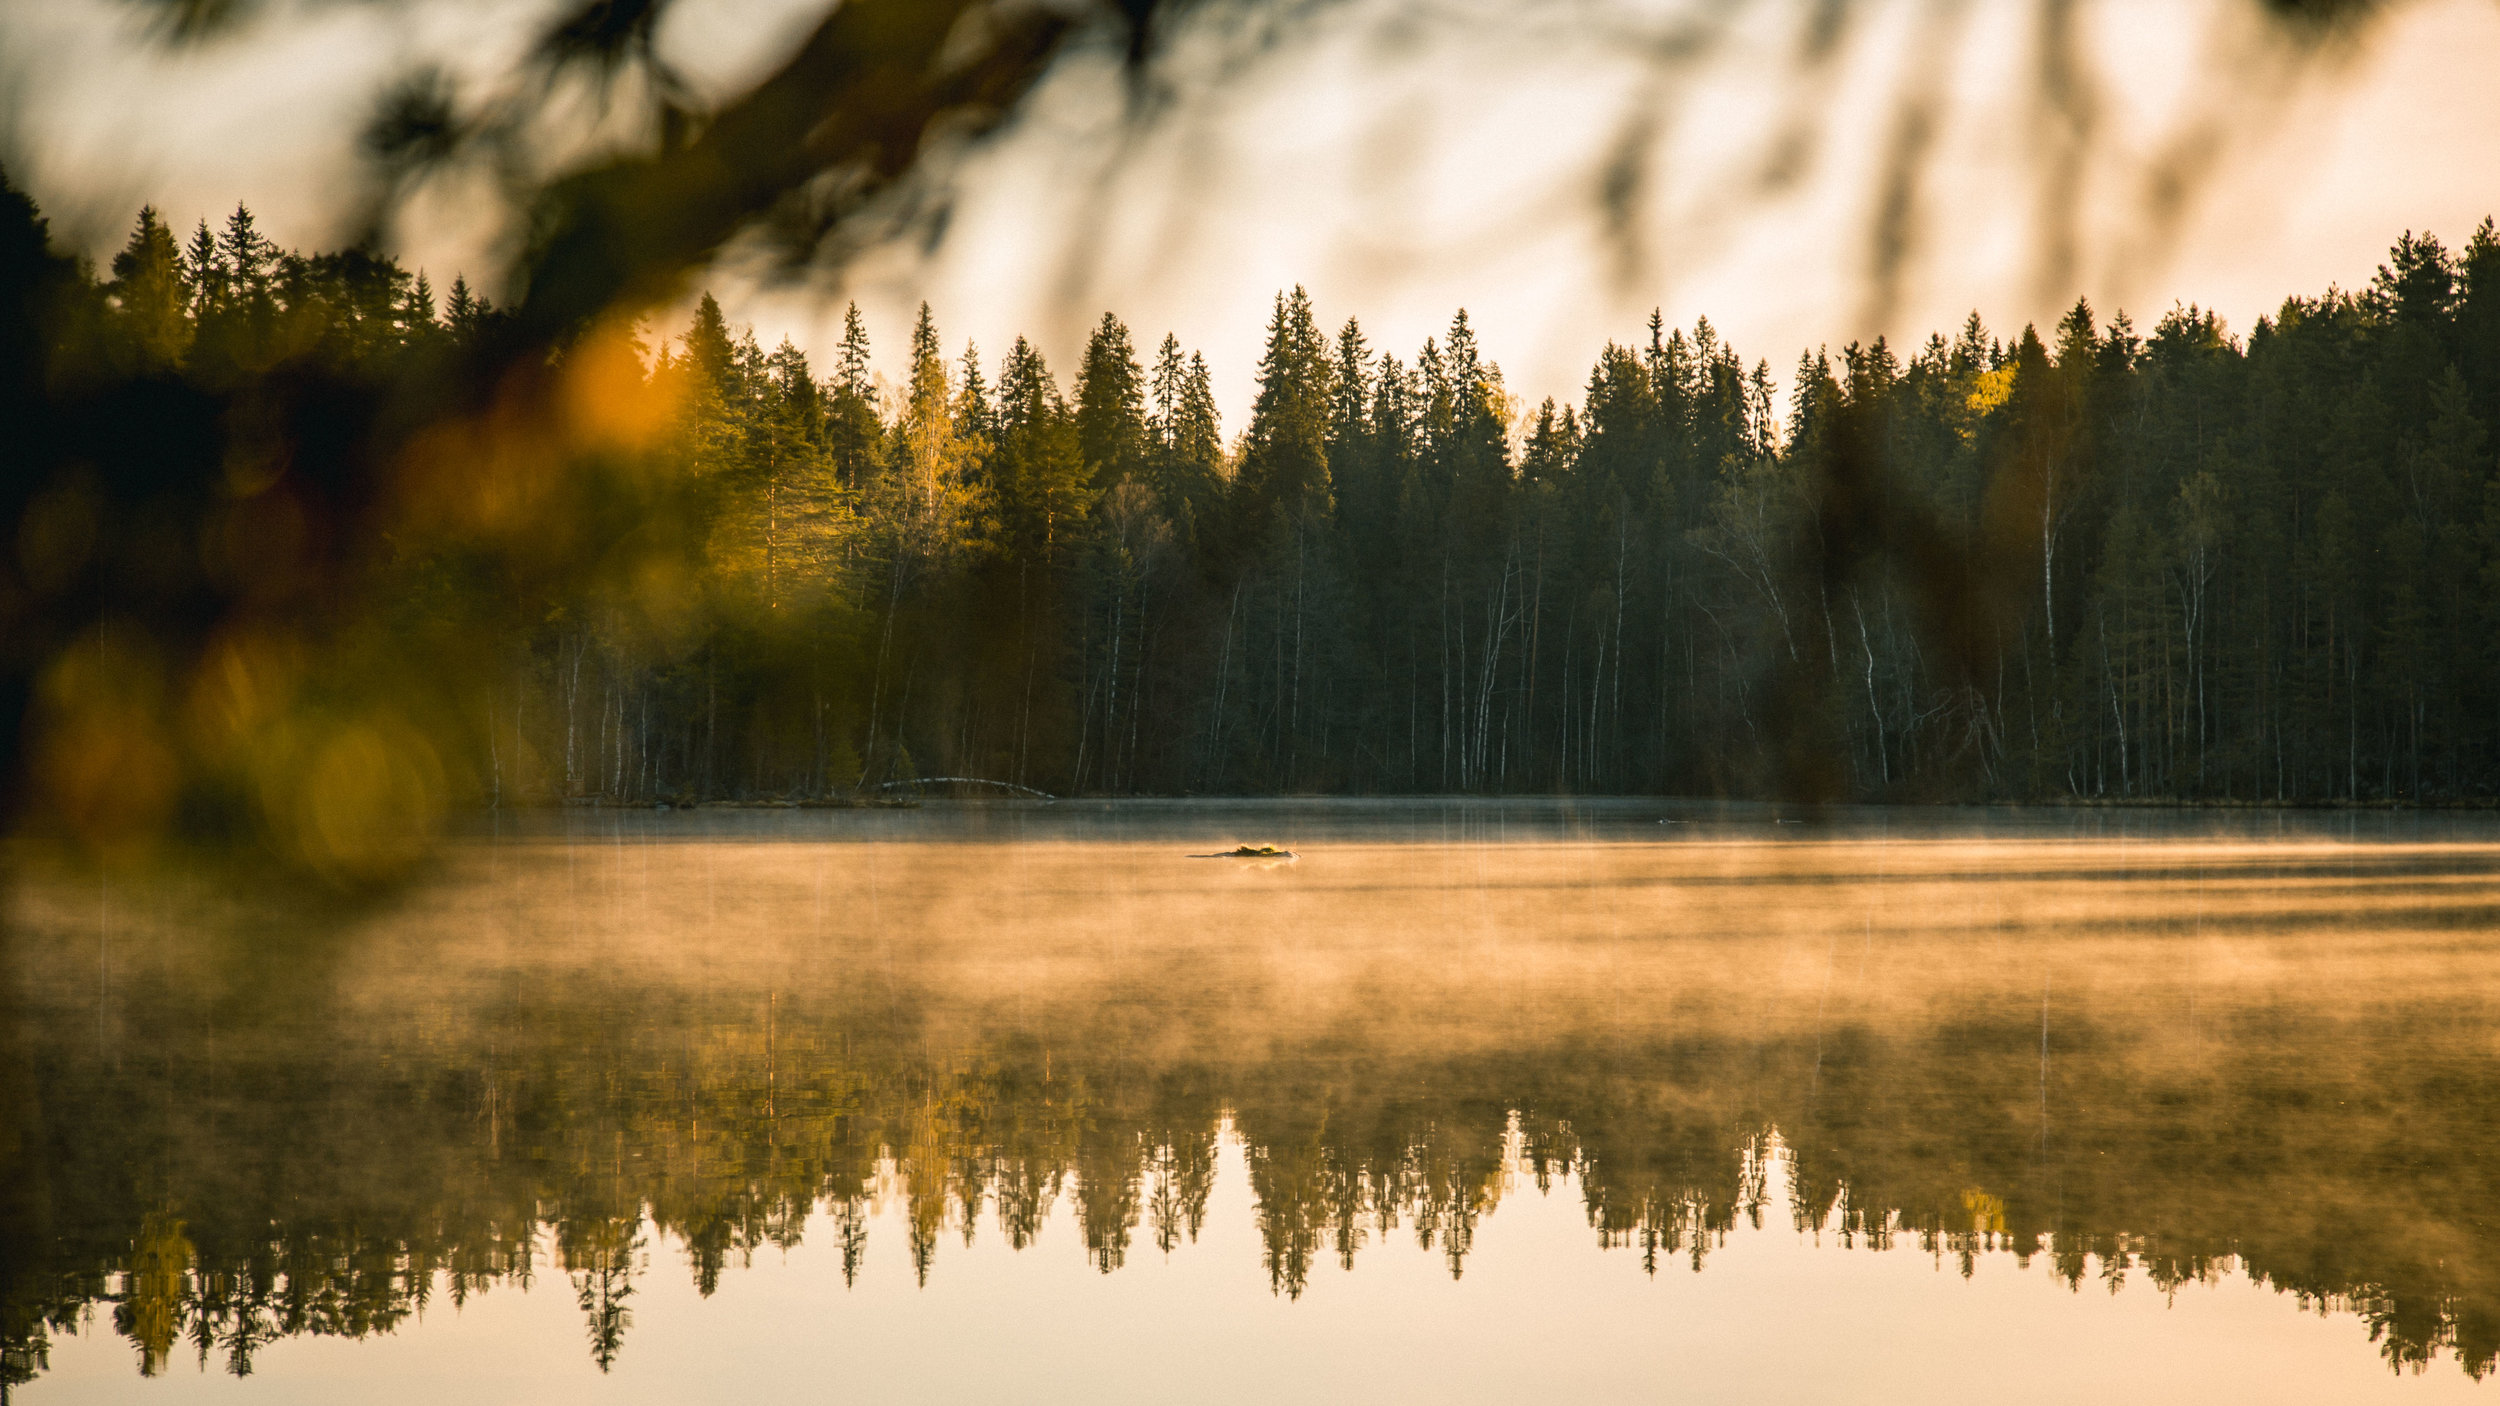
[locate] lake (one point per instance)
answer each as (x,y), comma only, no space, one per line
(1615,1101)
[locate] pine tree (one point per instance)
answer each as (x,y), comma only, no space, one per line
(932,460)
(419,321)
(249,257)
(1553,445)
(976,418)
(803,519)
(851,369)
(1111,407)
(152,292)
(852,427)
(1349,420)
(1475,437)
(1285,450)
(1192,477)
(714,355)
(1171,370)
(205,268)
(1043,479)
(466,315)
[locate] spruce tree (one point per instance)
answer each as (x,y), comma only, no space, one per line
(151,290)
(1192,476)
(1043,479)
(250,259)
(419,320)
(1349,420)
(206,270)
(1553,444)
(712,352)
(1171,370)
(1285,450)
(1111,407)
(465,315)
(976,418)
(932,459)
(852,426)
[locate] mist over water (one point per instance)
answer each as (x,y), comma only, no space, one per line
(971,1097)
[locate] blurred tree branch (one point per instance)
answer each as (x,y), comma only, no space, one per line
(828,145)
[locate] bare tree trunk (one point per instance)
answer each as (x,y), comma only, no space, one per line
(1623,550)
(1223,672)
(572,701)
(1883,760)
(1111,709)
(1597,696)
(2109,676)
(1445,670)
(1301,592)
(1536,634)
(885,645)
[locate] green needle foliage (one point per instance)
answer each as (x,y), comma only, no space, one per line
(2088,564)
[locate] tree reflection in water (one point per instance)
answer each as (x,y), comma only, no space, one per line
(2146,1056)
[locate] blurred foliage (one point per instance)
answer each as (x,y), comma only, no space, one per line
(273,520)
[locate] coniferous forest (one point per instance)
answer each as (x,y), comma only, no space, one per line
(2093,560)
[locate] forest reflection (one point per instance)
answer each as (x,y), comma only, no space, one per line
(2121,1055)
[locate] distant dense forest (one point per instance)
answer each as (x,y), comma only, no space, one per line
(2085,563)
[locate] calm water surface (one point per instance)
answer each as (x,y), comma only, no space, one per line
(1466,1103)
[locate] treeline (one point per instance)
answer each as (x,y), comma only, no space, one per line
(2088,564)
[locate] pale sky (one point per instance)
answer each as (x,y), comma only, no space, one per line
(1403,158)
